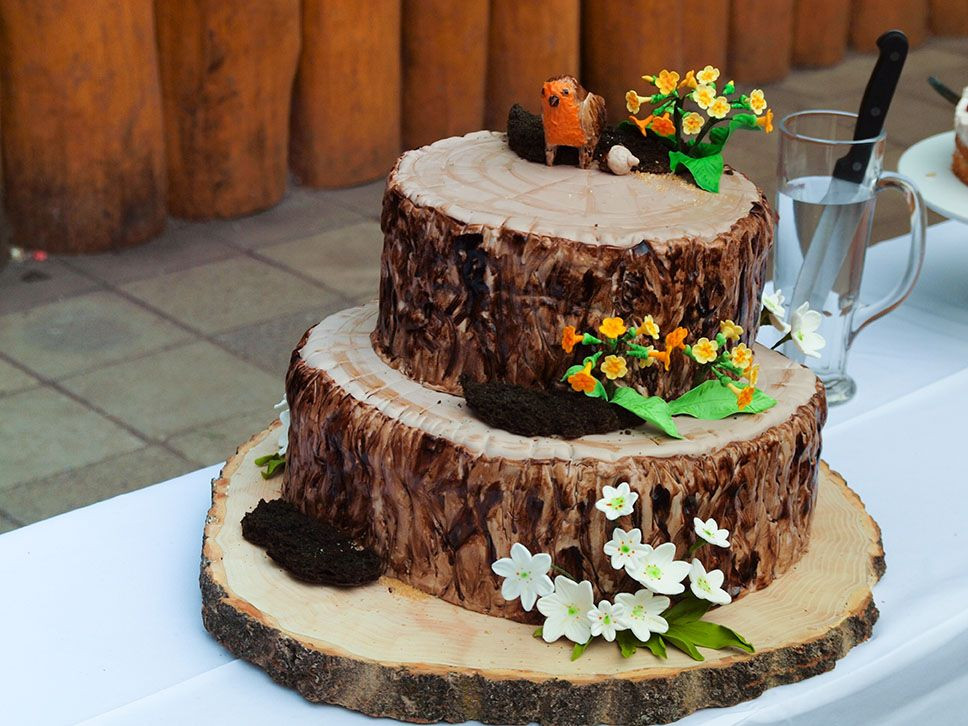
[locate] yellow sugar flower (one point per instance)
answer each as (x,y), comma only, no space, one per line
(757,101)
(731,330)
(633,101)
(766,121)
(752,374)
(704,96)
(649,327)
(741,356)
(704,351)
(707,75)
(583,380)
(689,81)
(613,327)
(614,366)
(719,107)
(666,81)
(692,123)
(647,362)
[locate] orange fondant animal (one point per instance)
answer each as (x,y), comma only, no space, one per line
(572,117)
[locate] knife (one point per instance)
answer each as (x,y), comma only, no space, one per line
(839,221)
(946,93)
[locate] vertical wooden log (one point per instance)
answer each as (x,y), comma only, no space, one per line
(760,40)
(705,43)
(528,42)
(227,68)
(870,18)
(948,17)
(444,68)
(83,150)
(820,29)
(622,41)
(346,100)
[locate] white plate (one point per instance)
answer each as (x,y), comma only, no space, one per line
(928,163)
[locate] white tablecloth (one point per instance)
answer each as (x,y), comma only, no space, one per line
(100,608)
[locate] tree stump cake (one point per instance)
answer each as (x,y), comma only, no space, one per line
(487,256)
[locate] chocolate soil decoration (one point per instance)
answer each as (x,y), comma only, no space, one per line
(307,549)
(532,412)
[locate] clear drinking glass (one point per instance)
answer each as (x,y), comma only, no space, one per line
(824,230)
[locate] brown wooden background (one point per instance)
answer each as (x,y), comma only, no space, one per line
(115,113)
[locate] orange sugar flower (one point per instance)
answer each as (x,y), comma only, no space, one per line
(766,121)
(663,125)
(662,356)
(674,340)
(569,338)
(744,398)
(666,81)
(642,123)
(614,366)
(583,380)
(613,327)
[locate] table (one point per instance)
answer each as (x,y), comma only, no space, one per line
(101,609)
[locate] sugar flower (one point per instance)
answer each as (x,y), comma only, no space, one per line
(752,374)
(633,101)
(606,619)
(765,121)
(649,327)
(692,123)
(708,75)
(663,126)
(666,81)
(659,571)
(625,547)
(613,327)
(614,366)
(282,443)
(643,613)
(757,101)
(773,303)
(711,532)
(569,338)
(525,575)
(730,330)
(705,350)
(583,380)
(617,501)
(704,96)
(804,323)
(689,81)
(707,585)
(566,611)
(744,396)
(719,107)
(741,356)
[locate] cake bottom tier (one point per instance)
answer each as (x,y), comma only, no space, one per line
(440,495)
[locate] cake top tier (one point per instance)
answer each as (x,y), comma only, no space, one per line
(476,179)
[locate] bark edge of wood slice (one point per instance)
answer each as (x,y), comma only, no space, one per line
(426,660)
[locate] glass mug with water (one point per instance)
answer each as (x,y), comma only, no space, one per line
(824,230)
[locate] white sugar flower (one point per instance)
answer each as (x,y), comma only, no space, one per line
(707,585)
(625,547)
(804,323)
(660,571)
(711,532)
(607,619)
(283,441)
(773,302)
(526,575)
(643,613)
(566,611)
(617,501)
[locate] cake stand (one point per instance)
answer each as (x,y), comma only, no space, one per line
(928,164)
(388,650)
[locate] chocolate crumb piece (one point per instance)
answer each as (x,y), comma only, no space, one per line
(533,412)
(309,550)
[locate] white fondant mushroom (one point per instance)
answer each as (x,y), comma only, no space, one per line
(620,160)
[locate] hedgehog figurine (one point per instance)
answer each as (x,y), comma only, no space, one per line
(571,117)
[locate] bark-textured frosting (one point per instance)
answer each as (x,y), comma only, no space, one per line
(441,496)
(487,257)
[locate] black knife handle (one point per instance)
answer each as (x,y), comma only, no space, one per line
(893,49)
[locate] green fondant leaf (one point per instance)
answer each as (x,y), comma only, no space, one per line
(537,633)
(710,635)
(681,642)
(652,409)
(273,463)
(571,371)
(627,643)
(712,400)
(706,170)
(687,610)
(656,644)
(599,391)
(579,649)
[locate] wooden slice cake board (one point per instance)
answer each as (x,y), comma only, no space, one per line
(386,649)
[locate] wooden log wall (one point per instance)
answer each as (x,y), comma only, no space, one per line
(200,108)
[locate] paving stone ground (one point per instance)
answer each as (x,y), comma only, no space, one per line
(121,370)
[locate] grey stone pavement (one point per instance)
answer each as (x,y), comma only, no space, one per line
(125,369)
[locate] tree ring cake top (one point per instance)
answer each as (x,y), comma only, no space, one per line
(476,179)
